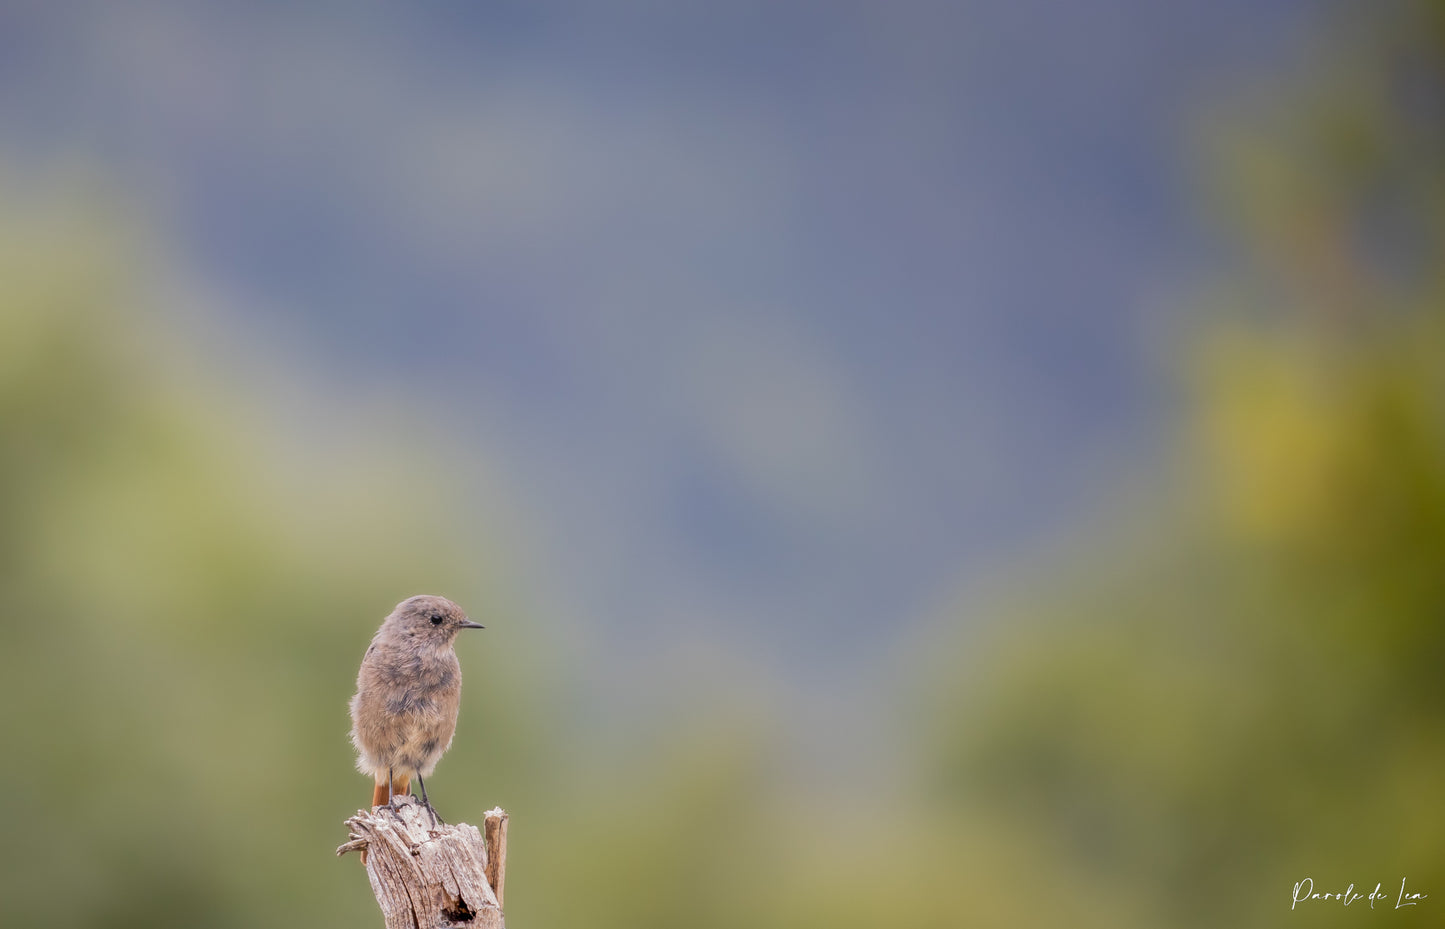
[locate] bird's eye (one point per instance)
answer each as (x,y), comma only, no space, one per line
(436,619)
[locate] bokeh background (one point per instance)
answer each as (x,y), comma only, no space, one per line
(919,464)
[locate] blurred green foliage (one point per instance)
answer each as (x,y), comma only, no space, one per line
(1241,690)
(186,601)
(1251,690)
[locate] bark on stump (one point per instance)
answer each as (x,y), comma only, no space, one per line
(429,876)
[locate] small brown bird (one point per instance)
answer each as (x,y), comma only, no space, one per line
(407,695)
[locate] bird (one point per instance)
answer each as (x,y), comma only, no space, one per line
(408,691)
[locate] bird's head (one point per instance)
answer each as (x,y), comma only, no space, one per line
(430,620)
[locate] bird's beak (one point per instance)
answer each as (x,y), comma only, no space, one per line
(471,625)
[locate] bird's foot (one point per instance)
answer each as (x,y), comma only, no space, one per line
(395,804)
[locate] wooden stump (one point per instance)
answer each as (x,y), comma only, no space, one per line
(426,876)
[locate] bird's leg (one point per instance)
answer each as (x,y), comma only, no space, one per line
(390,798)
(427,803)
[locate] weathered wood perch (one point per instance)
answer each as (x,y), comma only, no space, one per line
(429,876)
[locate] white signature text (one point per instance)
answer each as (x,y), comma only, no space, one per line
(1304,892)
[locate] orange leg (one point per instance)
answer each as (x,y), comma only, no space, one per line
(399,788)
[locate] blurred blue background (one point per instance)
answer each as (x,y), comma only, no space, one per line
(773,323)
(757,372)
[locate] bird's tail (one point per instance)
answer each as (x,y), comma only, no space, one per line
(399,788)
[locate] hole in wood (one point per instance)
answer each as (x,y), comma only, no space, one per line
(457,910)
